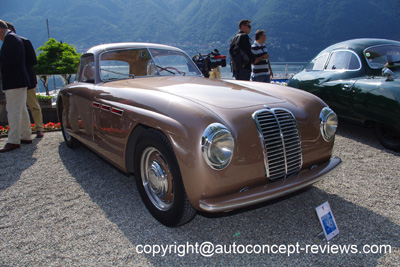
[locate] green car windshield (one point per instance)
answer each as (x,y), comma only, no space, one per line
(378,56)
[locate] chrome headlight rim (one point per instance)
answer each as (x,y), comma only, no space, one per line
(217,146)
(328,123)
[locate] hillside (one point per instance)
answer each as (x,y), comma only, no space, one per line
(296,29)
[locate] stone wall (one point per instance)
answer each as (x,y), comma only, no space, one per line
(49,114)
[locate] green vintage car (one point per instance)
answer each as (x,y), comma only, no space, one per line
(359,80)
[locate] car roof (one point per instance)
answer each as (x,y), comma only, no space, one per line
(358,44)
(128,45)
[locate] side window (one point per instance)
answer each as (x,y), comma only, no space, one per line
(317,64)
(378,56)
(86,69)
(124,64)
(114,70)
(343,60)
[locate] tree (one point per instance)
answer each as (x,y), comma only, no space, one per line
(56,58)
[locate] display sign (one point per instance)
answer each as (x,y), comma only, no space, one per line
(327,221)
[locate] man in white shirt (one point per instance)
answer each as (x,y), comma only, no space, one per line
(261,71)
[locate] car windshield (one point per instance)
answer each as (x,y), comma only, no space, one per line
(378,56)
(132,63)
(317,63)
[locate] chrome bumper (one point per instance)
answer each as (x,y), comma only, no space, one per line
(270,191)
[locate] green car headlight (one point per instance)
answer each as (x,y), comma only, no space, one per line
(217,146)
(328,123)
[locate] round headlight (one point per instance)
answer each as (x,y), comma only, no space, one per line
(328,123)
(217,146)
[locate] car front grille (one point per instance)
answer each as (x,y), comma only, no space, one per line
(280,139)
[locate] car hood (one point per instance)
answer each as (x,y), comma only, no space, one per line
(219,93)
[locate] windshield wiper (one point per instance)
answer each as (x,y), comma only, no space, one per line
(171,70)
(132,76)
(167,70)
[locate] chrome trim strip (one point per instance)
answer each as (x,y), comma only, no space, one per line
(261,136)
(282,142)
(112,109)
(96,104)
(117,111)
(105,107)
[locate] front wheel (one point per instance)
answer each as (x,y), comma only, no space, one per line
(388,136)
(159,180)
(70,141)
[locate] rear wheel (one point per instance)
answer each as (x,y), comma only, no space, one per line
(70,141)
(159,180)
(388,136)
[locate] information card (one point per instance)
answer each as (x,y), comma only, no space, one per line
(327,221)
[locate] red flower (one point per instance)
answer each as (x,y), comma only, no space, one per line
(51,126)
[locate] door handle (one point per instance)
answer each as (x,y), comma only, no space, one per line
(346,87)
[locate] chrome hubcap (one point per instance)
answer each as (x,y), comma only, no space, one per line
(156,178)
(158,183)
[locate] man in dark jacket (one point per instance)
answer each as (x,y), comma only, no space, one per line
(15,83)
(240,52)
(32,101)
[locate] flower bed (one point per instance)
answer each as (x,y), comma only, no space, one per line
(45,101)
(39,96)
(48,127)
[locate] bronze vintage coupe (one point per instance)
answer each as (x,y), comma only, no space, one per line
(194,143)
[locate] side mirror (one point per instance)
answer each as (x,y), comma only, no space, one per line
(388,73)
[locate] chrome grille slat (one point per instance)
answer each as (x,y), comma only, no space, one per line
(292,155)
(280,139)
(274,146)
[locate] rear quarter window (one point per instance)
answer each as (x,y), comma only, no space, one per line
(86,71)
(343,60)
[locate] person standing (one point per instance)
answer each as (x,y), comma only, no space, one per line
(262,71)
(15,83)
(32,101)
(240,52)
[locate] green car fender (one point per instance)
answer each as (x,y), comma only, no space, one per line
(378,101)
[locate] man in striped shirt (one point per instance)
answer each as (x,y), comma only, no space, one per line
(262,71)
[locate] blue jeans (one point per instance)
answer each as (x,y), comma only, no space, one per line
(262,78)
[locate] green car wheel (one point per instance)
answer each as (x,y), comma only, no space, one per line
(388,137)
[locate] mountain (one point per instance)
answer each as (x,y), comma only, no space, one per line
(296,29)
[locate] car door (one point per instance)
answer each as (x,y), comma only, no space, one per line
(110,126)
(77,102)
(312,76)
(340,75)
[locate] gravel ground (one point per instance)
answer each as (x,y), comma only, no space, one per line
(63,207)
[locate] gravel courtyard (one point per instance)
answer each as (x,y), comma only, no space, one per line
(63,207)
